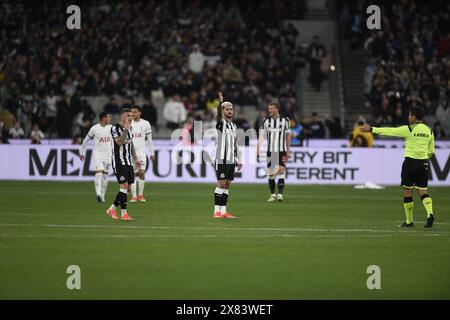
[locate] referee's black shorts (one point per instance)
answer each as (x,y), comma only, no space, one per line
(276,159)
(415,173)
(124,173)
(225,171)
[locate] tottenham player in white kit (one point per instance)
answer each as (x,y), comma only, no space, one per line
(101,133)
(142,136)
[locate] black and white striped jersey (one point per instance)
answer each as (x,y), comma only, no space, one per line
(275,131)
(122,154)
(226,152)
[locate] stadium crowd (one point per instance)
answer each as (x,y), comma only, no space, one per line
(182,51)
(408,60)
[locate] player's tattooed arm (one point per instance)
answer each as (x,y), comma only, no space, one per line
(219,107)
(121,139)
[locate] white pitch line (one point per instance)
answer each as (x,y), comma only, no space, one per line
(219,236)
(210,228)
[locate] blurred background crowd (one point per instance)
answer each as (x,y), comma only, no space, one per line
(408,60)
(184,52)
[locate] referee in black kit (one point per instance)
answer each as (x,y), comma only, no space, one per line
(227,157)
(122,163)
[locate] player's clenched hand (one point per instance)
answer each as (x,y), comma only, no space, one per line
(220,96)
(137,162)
(239,166)
(152,158)
(365,128)
(81,157)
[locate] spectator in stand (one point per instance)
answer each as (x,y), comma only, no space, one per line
(316,126)
(36,134)
(443,113)
(3,133)
(77,139)
(399,118)
(241,122)
(334,127)
(16,132)
(196,59)
(305,123)
(297,134)
(150,114)
(7,118)
(316,54)
(112,107)
(192,103)
(259,121)
(50,113)
(64,118)
(174,112)
(439,133)
(360,139)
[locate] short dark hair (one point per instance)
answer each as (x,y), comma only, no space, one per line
(102,115)
(123,110)
(135,106)
(418,112)
(275,104)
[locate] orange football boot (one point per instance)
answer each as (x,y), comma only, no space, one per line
(112,213)
(228,216)
(126,216)
(217,215)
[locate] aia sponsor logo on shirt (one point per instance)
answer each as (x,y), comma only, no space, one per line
(104,139)
(137,135)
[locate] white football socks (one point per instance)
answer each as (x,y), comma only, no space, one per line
(98,183)
(104,184)
(133,189)
(141,183)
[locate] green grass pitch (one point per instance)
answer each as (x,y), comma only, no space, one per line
(317,244)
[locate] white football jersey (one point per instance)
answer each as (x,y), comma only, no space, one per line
(102,140)
(140,131)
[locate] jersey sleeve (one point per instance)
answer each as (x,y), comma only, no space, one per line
(219,125)
(430,150)
(148,129)
(288,125)
(91,133)
(114,132)
(402,131)
(263,124)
